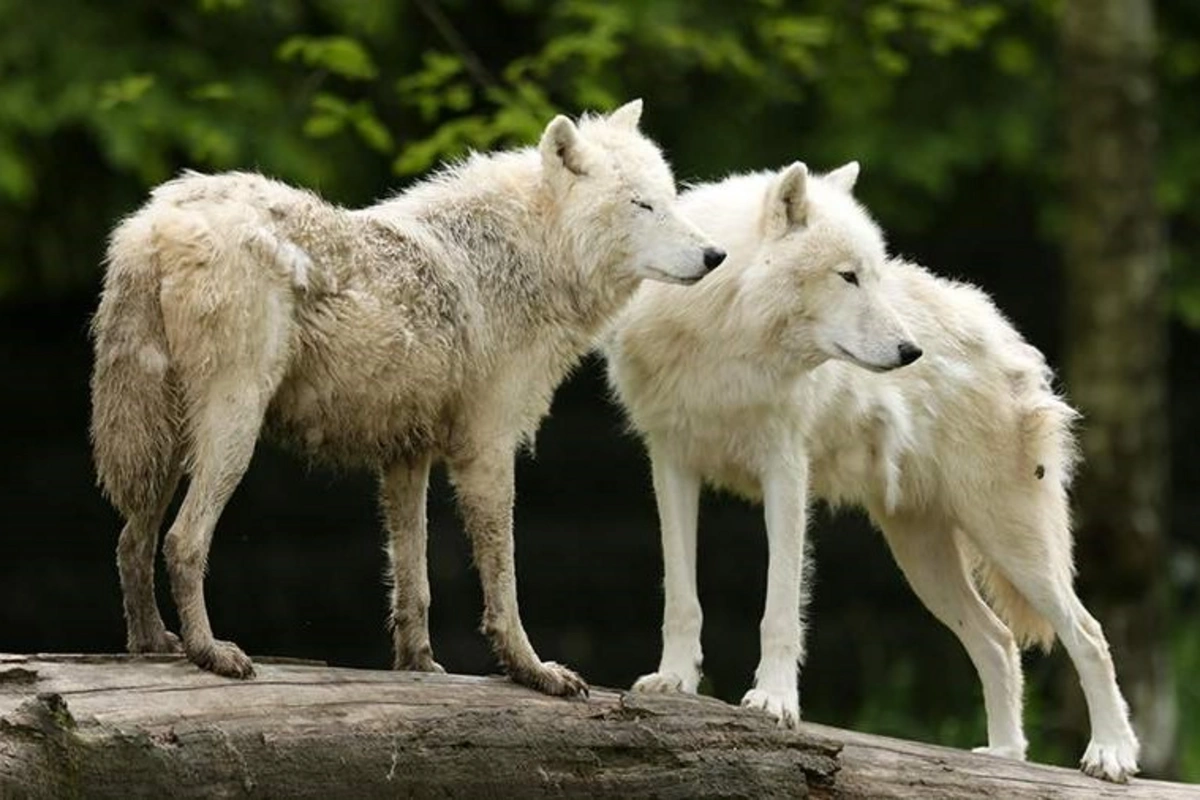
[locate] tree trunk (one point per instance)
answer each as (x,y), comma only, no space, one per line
(1117,351)
(127,727)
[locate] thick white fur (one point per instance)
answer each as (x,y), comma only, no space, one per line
(754,382)
(433,326)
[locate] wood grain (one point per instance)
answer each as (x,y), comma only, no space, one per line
(101,726)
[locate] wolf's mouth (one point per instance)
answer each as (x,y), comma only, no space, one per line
(666,277)
(858,362)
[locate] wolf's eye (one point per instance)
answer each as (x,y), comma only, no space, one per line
(643,205)
(849,277)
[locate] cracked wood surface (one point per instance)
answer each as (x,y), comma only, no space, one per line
(123,726)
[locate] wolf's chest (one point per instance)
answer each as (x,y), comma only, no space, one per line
(729,448)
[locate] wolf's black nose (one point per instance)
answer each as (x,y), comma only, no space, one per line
(909,353)
(713,258)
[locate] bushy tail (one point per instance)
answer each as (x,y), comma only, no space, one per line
(1050,456)
(134,420)
(1028,626)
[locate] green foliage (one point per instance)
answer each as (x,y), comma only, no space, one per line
(331,115)
(506,114)
(926,93)
(113,99)
(341,55)
(128,89)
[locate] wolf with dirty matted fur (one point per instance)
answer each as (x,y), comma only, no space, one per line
(759,381)
(432,326)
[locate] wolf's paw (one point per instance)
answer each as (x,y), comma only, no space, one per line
(420,662)
(162,642)
(551,678)
(1111,762)
(785,709)
(223,658)
(1012,751)
(659,683)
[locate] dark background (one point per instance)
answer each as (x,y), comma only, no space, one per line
(297,563)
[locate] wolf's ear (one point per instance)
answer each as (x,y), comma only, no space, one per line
(562,147)
(845,176)
(628,115)
(787,200)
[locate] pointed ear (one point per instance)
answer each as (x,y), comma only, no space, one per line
(562,147)
(787,200)
(628,115)
(844,176)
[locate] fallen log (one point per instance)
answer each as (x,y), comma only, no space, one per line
(101,726)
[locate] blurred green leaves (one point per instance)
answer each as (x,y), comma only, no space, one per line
(124,90)
(16,175)
(341,55)
(351,97)
(331,115)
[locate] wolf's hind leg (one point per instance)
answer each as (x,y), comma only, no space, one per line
(224,429)
(1021,543)
(136,549)
(928,554)
(402,492)
(228,323)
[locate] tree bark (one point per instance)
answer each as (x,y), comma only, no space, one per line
(126,727)
(1116,357)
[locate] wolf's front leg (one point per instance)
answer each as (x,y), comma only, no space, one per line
(785,501)
(677,492)
(402,490)
(484,485)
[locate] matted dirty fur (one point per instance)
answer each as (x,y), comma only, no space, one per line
(761,383)
(432,326)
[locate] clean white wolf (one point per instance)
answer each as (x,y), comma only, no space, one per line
(760,381)
(432,326)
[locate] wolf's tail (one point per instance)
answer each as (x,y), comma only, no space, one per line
(1028,626)
(1050,455)
(134,426)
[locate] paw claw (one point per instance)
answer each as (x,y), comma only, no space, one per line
(658,683)
(424,663)
(784,708)
(668,681)
(1110,762)
(223,658)
(551,678)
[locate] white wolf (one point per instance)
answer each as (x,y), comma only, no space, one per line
(755,382)
(435,325)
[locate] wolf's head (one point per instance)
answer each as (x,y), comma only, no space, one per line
(615,194)
(824,264)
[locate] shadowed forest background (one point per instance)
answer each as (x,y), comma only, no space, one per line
(988,152)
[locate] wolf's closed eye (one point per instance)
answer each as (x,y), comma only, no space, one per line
(849,277)
(643,204)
